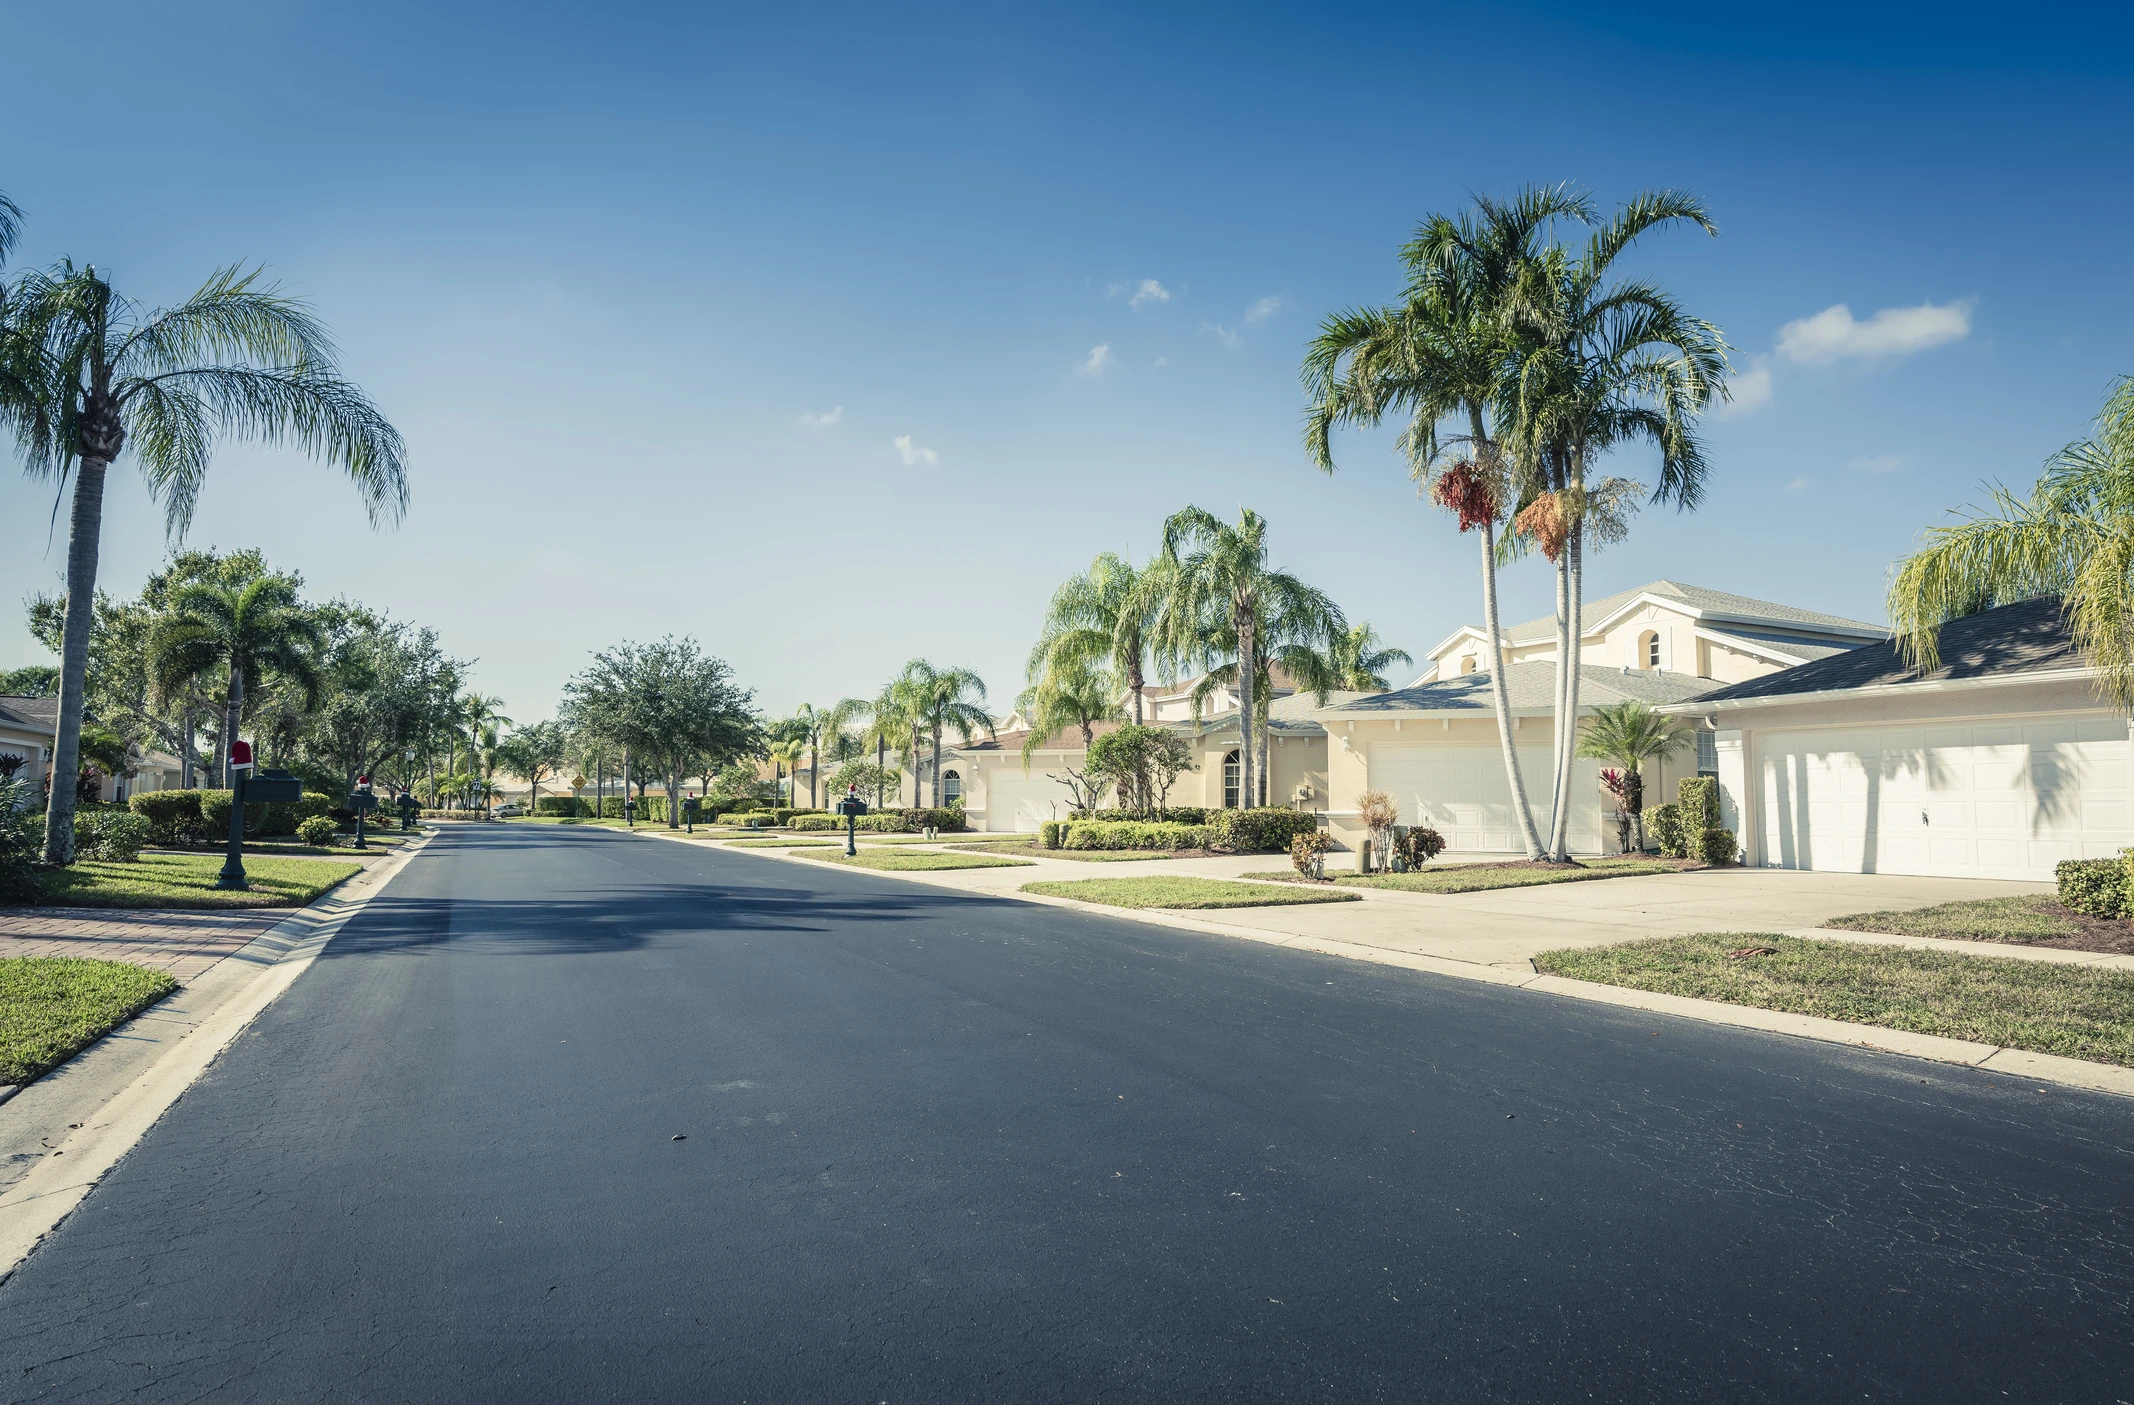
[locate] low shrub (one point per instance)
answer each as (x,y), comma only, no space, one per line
(173,816)
(430,814)
(890,823)
(312,806)
(948,817)
(1699,797)
(318,831)
(1179,814)
(109,836)
(1258,831)
(1716,847)
(1132,834)
(561,806)
(1048,835)
(1664,824)
(1307,853)
(2093,887)
(805,824)
(1418,844)
(21,839)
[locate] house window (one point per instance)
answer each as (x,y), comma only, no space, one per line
(1707,753)
(951,788)
(1467,665)
(1232,779)
(1649,649)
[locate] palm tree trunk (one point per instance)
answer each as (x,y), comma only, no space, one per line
(1134,681)
(814,771)
(1500,695)
(935,778)
(1562,694)
(1266,762)
(185,748)
(1247,627)
(1567,734)
(83,533)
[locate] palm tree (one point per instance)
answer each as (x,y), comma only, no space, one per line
(785,757)
(1360,663)
(1596,365)
(890,722)
(1070,693)
(88,373)
(1290,642)
(1631,734)
(1222,581)
(1103,618)
(479,715)
(1443,354)
(944,697)
(250,630)
(2072,537)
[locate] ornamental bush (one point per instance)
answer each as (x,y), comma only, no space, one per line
(21,838)
(109,836)
(1048,835)
(808,824)
(2093,887)
(1418,844)
(1131,834)
(1307,853)
(1259,831)
(561,806)
(1700,803)
(318,831)
(947,817)
(1716,847)
(1665,825)
(173,816)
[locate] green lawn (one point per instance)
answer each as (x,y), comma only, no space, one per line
(2048,1009)
(2034,918)
(781,844)
(53,1006)
(866,838)
(1029,848)
(188,880)
(916,861)
(1475,878)
(547,819)
(1183,892)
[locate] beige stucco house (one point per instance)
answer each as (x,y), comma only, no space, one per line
(27,727)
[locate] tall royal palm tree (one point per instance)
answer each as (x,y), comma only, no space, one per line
(1631,734)
(2073,537)
(1598,364)
(1360,660)
(1218,578)
(1103,618)
(1069,693)
(945,698)
(1443,355)
(89,373)
(246,631)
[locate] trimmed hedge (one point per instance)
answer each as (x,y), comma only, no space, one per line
(1132,834)
(563,806)
(1715,846)
(452,814)
(2094,887)
(1664,824)
(946,817)
(1178,814)
(1699,796)
(1048,835)
(177,818)
(173,816)
(111,836)
(1259,831)
(318,831)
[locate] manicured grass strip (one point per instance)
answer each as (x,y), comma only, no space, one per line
(188,880)
(2049,1009)
(1183,892)
(980,838)
(780,844)
(2033,918)
(1476,878)
(51,1007)
(1029,849)
(919,860)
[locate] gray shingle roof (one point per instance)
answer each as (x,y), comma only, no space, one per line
(1532,688)
(2022,638)
(1697,597)
(1291,716)
(39,714)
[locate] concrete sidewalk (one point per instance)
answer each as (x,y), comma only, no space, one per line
(184,942)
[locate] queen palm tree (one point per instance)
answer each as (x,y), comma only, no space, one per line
(479,715)
(1218,579)
(785,757)
(1631,734)
(1443,354)
(89,373)
(1360,659)
(942,698)
(1297,642)
(1102,619)
(2072,537)
(1070,693)
(249,630)
(1596,365)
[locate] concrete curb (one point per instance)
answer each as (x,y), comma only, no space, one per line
(34,1206)
(2040,1068)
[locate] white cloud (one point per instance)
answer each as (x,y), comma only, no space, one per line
(1163,360)
(1878,463)
(1149,291)
(823,420)
(1097,362)
(1796,485)
(1223,334)
(1894,331)
(1750,390)
(1264,309)
(914,454)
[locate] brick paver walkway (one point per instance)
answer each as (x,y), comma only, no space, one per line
(182,943)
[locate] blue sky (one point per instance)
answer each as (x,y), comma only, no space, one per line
(780,326)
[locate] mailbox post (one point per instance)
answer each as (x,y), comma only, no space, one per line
(689,815)
(408,805)
(362,802)
(269,787)
(851,807)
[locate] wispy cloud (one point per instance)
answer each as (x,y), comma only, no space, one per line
(1878,463)
(1226,335)
(1265,308)
(1751,390)
(1163,360)
(1797,485)
(1097,362)
(1149,291)
(823,420)
(914,454)
(1833,334)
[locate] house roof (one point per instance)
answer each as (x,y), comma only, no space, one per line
(1700,600)
(2029,637)
(35,714)
(1291,716)
(1531,687)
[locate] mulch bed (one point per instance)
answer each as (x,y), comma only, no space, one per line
(2091,933)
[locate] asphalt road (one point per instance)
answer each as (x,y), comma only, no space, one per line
(938,1148)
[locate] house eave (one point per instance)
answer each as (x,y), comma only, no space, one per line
(1696,707)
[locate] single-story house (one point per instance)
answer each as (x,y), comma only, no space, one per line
(27,729)
(1997,764)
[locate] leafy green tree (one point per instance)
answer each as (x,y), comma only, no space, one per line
(865,777)
(535,753)
(243,632)
(37,680)
(1140,762)
(1631,734)
(2073,537)
(1219,585)
(945,698)
(670,705)
(86,373)
(1103,619)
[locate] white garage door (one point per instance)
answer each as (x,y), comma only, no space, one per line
(1015,801)
(2004,799)
(1463,793)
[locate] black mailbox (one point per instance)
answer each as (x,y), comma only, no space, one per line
(272,787)
(362,802)
(852,807)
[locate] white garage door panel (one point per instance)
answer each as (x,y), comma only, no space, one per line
(1018,803)
(2005,799)
(1463,793)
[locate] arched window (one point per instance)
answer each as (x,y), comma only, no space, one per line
(1232,778)
(951,788)
(1467,665)
(1649,649)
